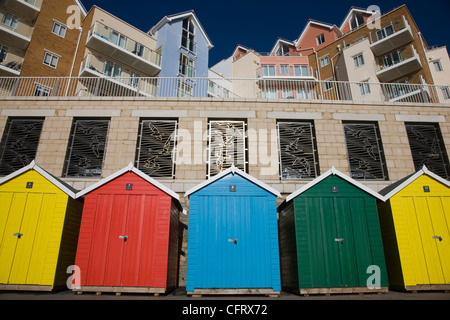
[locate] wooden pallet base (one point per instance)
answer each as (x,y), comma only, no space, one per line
(197,293)
(329,291)
(25,287)
(119,290)
(428,287)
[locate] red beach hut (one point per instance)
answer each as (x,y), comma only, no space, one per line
(128,238)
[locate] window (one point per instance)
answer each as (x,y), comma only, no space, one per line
(446,92)
(59,29)
(284,69)
(134,79)
(320,39)
(357,20)
(359,60)
(287,93)
(86,149)
(156,148)
(187,36)
(41,91)
(392,58)
(364,150)
(437,66)
(51,59)
(282,50)
(19,144)
(297,150)
(301,70)
(269,93)
(3,53)
(329,84)
(10,20)
(138,49)
(184,89)
(427,148)
(118,39)
(385,32)
(112,70)
(324,61)
(226,146)
(303,93)
(186,67)
(268,70)
(364,87)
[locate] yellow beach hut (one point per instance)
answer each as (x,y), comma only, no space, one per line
(415,224)
(39,226)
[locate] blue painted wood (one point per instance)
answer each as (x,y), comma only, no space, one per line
(217,217)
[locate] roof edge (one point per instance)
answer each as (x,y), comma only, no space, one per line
(233,170)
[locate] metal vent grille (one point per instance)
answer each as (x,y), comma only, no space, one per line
(364,150)
(298,157)
(427,148)
(87,148)
(156,148)
(226,146)
(19,144)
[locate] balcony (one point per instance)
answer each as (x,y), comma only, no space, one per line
(28,8)
(397,64)
(95,84)
(117,46)
(112,80)
(391,37)
(289,72)
(10,64)
(14,31)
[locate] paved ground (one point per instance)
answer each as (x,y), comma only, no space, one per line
(180,294)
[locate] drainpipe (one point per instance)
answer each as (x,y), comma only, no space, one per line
(317,65)
(332,70)
(80,29)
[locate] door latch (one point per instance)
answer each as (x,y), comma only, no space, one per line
(18,235)
(437,238)
(125,238)
(341,240)
(233,240)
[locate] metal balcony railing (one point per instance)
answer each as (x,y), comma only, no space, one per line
(188,88)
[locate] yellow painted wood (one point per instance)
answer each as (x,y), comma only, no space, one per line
(39,214)
(9,241)
(418,217)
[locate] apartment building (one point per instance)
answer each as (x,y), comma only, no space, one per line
(184,49)
(35,39)
(390,49)
(114,56)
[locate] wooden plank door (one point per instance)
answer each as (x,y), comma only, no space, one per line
(12,205)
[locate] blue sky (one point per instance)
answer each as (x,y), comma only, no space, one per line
(259,23)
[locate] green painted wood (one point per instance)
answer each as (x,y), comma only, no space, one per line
(321,216)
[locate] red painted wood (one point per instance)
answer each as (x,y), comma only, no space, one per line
(143,214)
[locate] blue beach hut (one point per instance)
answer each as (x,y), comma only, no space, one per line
(233,236)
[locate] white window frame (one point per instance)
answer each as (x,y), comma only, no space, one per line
(329,84)
(41,91)
(381,34)
(320,39)
(446,92)
(301,70)
(358,59)
(10,20)
(284,69)
(51,59)
(268,70)
(437,65)
(324,61)
(364,87)
(59,29)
